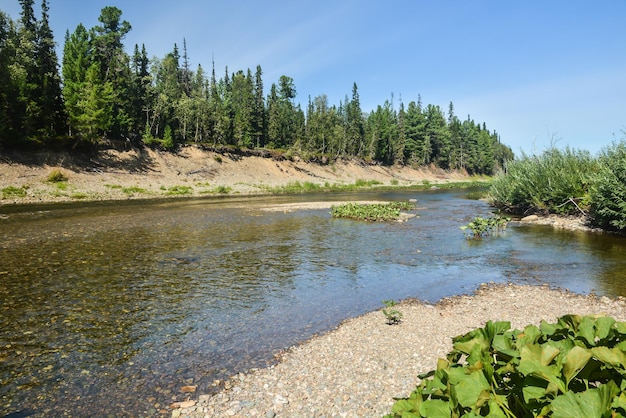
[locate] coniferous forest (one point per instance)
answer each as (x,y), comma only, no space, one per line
(98,93)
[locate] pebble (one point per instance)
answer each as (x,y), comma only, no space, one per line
(357,369)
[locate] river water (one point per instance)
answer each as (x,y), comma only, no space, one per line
(110,308)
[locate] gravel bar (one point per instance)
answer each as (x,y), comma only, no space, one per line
(358,368)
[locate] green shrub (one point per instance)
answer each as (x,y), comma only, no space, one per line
(608,198)
(557,181)
(56,176)
(223,189)
(575,367)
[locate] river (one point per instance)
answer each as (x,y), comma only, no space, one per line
(111,308)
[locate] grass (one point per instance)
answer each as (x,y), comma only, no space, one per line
(179,190)
(12,191)
(556,181)
(297,187)
(56,176)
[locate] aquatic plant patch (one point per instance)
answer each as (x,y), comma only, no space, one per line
(371,212)
(575,367)
(484,227)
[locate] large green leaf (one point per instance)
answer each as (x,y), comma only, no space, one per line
(613,356)
(590,403)
(535,361)
(467,388)
(575,360)
(435,408)
(494,328)
(604,327)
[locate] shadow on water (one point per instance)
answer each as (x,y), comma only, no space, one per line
(111,309)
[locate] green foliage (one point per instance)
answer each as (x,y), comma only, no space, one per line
(483,227)
(575,367)
(132,190)
(109,94)
(222,190)
(179,190)
(12,191)
(392,315)
(371,212)
(608,199)
(56,176)
(557,181)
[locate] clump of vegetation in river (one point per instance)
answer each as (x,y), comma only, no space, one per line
(575,367)
(392,315)
(371,211)
(556,181)
(483,227)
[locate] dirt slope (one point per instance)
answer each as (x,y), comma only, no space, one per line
(145,173)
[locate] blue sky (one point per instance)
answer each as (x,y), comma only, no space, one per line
(537,72)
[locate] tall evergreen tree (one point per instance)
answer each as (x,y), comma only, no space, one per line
(114,65)
(259,125)
(53,118)
(26,72)
(354,122)
(10,120)
(77,59)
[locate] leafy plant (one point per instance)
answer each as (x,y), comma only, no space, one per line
(484,227)
(371,212)
(393,315)
(575,367)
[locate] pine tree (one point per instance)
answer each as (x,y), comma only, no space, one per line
(10,120)
(26,72)
(76,61)
(114,65)
(354,122)
(53,118)
(259,125)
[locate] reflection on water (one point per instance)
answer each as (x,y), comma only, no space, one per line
(110,309)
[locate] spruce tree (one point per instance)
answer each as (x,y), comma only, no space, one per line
(53,117)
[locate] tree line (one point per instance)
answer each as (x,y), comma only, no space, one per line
(102,92)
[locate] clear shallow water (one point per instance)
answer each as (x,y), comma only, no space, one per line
(111,308)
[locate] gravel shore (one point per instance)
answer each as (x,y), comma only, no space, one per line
(357,369)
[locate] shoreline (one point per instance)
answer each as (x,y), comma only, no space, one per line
(145,174)
(357,368)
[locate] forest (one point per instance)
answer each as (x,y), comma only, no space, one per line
(98,94)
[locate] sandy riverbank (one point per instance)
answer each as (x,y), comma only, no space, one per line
(357,369)
(146,173)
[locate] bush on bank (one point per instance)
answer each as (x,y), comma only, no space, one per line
(566,182)
(548,183)
(608,197)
